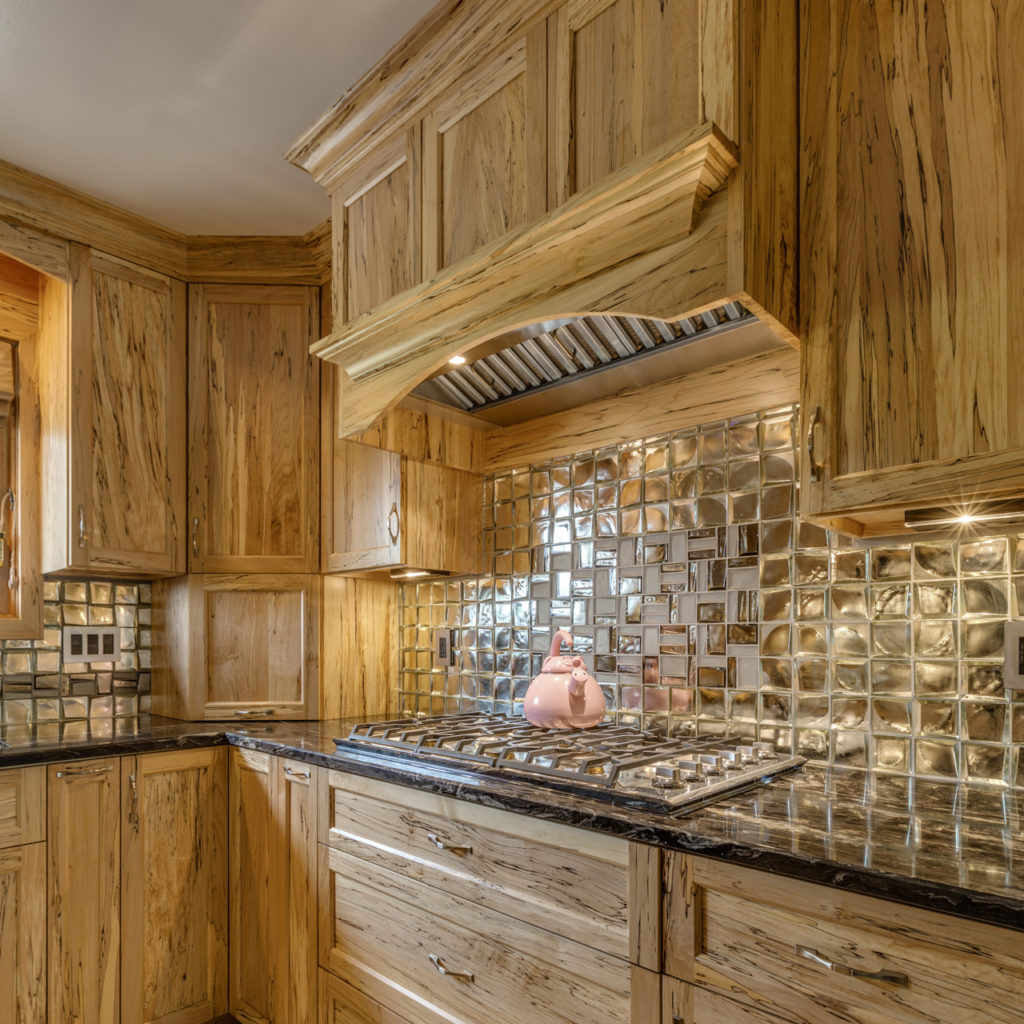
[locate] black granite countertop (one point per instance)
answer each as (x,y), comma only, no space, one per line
(957,849)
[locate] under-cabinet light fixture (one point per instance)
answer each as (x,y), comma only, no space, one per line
(1009,510)
(414,574)
(457,360)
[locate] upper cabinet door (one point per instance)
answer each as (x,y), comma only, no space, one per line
(485,154)
(113,372)
(376,227)
(626,78)
(910,257)
(253,429)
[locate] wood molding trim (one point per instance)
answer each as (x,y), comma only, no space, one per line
(772,378)
(610,248)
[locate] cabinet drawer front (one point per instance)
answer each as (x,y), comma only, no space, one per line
(22,806)
(343,1004)
(788,947)
(406,944)
(564,879)
(689,1004)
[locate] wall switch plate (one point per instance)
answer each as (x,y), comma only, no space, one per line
(83,644)
(444,656)
(1013,654)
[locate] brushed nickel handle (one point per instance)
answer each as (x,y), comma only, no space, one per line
(12,576)
(133,813)
(450,847)
(393,516)
(248,712)
(78,772)
(889,977)
(815,467)
(195,536)
(447,971)
(296,774)
(83,536)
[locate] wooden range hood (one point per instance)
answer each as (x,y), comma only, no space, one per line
(705,218)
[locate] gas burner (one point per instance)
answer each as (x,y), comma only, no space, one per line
(612,762)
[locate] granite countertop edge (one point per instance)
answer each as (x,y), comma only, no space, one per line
(678,833)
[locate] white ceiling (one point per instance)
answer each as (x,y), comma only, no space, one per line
(179,110)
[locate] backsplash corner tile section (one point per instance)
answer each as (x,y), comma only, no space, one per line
(37,686)
(704,604)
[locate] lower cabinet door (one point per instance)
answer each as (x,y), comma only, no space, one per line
(84,906)
(174,887)
(23,934)
(343,1004)
(689,1004)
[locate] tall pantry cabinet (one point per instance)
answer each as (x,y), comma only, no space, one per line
(240,633)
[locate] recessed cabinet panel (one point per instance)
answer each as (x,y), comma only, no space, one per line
(253,429)
(23,934)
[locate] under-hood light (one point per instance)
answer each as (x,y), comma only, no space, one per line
(415,574)
(988,512)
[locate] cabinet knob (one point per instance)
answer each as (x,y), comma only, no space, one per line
(815,466)
(393,523)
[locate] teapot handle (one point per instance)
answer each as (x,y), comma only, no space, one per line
(556,642)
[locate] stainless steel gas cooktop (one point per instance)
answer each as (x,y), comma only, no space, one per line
(610,762)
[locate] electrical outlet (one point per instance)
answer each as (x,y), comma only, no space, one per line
(444,656)
(1013,656)
(91,643)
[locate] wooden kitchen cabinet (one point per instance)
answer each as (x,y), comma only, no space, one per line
(909,258)
(390,512)
(83,891)
(112,392)
(237,646)
(273,889)
(253,430)
(756,947)
(174,927)
(23,895)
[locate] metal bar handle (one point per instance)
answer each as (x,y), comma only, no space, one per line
(133,814)
(296,774)
(450,847)
(447,971)
(75,772)
(889,977)
(393,516)
(195,536)
(815,466)
(83,536)
(248,712)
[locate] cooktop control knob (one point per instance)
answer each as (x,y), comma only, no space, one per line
(712,763)
(765,751)
(747,754)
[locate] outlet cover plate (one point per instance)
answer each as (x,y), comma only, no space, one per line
(83,644)
(1013,655)
(444,656)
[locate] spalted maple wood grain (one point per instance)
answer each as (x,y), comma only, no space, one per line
(83,891)
(735,931)
(22,806)
(19,299)
(341,1004)
(253,429)
(174,866)
(23,934)
(910,206)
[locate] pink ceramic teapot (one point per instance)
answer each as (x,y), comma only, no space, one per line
(564,695)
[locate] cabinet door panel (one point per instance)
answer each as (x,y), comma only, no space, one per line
(910,309)
(84,917)
(376,227)
(128,416)
(253,429)
(484,164)
(22,806)
(174,887)
(23,934)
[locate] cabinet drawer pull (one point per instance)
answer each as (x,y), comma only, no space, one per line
(133,814)
(248,712)
(83,536)
(75,772)
(450,847)
(815,466)
(393,518)
(195,536)
(447,971)
(889,977)
(296,774)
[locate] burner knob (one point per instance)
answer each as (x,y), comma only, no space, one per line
(712,763)
(666,777)
(730,762)
(765,751)
(747,754)
(693,771)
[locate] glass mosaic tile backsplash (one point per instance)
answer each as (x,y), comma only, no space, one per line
(703,604)
(37,686)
